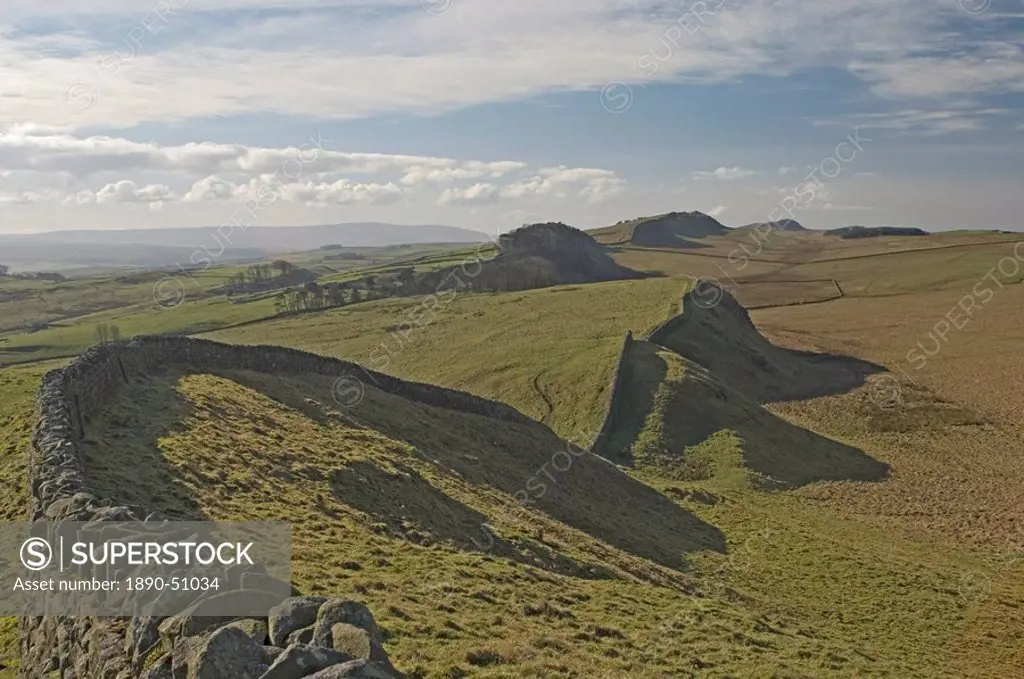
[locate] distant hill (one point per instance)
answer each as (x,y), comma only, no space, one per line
(541,255)
(875,231)
(271,239)
(778,225)
(671,230)
(26,253)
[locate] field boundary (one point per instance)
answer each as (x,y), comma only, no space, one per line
(835,284)
(613,410)
(614,405)
(71,396)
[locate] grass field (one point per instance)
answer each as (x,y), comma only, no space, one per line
(594,582)
(775,513)
(547,352)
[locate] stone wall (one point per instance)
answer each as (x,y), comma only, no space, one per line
(615,399)
(108,648)
(661,333)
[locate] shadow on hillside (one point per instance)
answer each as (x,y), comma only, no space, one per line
(489,464)
(528,464)
(644,372)
(407,506)
(122,457)
(780,454)
(724,340)
(822,375)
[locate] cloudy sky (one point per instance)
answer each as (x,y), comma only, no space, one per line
(487,114)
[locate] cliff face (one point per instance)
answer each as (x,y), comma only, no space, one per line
(554,241)
(673,230)
(573,256)
(534,256)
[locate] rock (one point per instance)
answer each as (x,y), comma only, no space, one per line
(271,653)
(357,669)
(340,610)
(300,660)
(185,625)
(161,669)
(302,636)
(293,614)
(198,619)
(142,635)
(228,653)
(184,649)
(357,643)
(254,629)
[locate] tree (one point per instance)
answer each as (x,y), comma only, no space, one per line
(283,267)
(107,332)
(4,269)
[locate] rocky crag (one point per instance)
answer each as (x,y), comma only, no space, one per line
(535,256)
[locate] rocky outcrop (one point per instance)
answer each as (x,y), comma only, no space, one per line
(305,636)
(672,229)
(534,256)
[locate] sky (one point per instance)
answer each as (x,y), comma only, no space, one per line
(483,114)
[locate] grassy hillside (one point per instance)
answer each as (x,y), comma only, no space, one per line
(602,576)
(773,516)
(548,352)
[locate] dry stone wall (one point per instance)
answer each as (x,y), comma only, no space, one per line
(615,399)
(337,634)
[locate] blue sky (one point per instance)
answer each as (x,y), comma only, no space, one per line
(118,114)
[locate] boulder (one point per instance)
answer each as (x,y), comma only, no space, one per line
(357,669)
(301,660)
(228,653)
(291,615)
(301,636)
(357,643)
(342,610)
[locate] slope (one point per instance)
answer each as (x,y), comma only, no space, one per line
(414,509)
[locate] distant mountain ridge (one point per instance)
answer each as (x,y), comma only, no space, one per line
(875,231)
(777,225)
(270,239)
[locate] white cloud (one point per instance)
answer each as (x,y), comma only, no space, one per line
(73,167)
(716,211)
(213,188)
(592,184)
(397,58)
(475,169)
(125,191)
(341,192)
(787,169)
(955,116)
(477,194)
(724,173)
